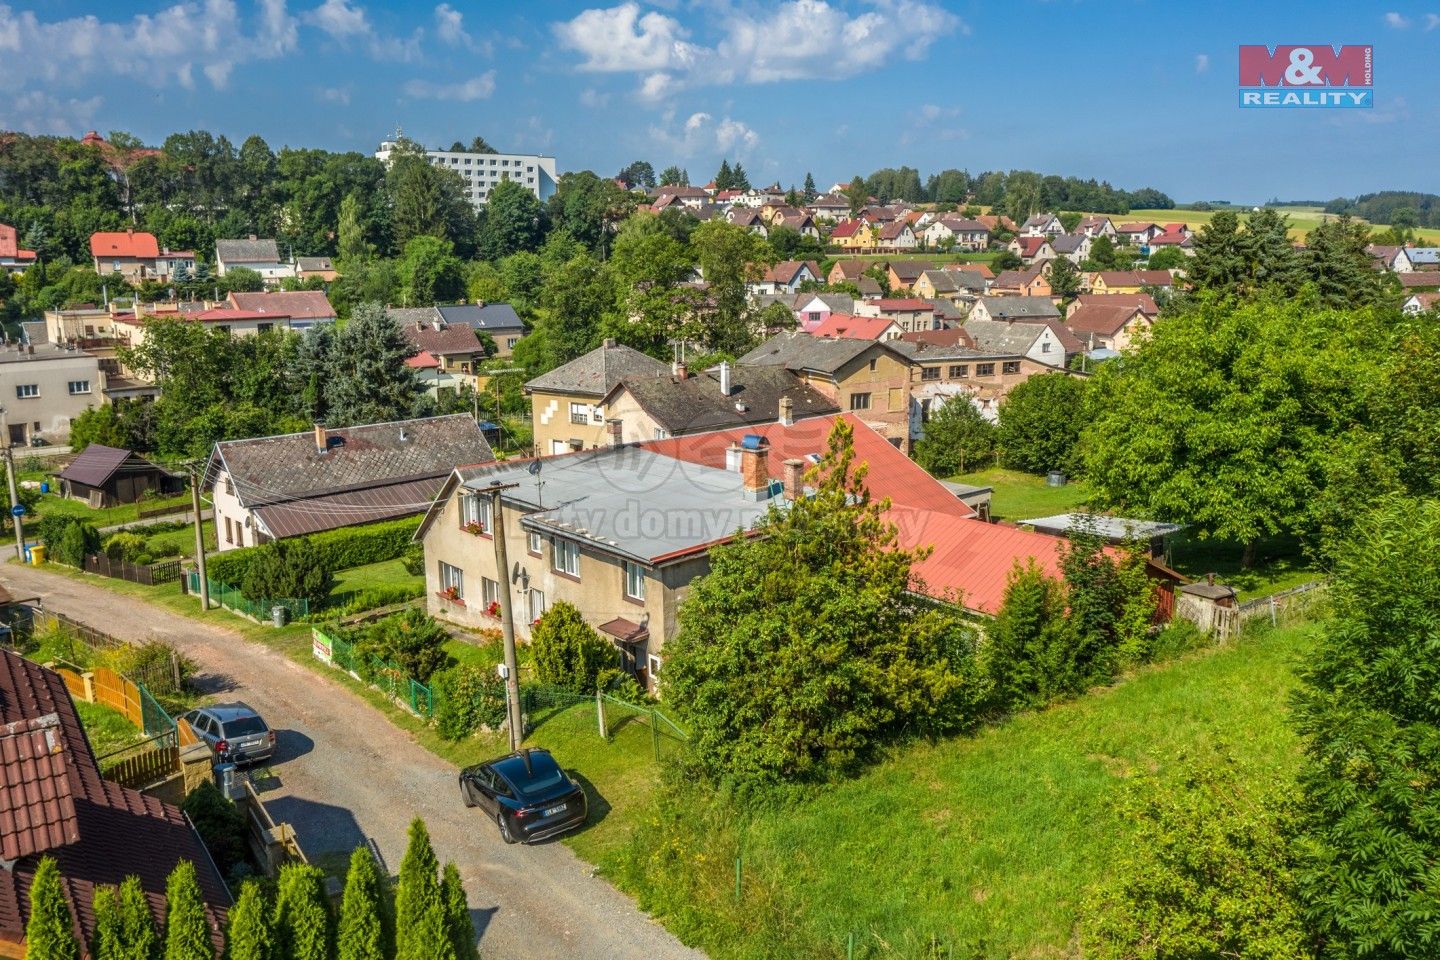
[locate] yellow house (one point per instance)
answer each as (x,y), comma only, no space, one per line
(853,235)
(566,404)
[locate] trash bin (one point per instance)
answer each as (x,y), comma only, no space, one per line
(37,555)
(227,778)
(1055,479)
(278,615)
(44,486)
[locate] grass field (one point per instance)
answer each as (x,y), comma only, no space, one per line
(1025,496)
(180,542)
(387,573)
(107,729)
(1302,219)
(984,845)
(53,505)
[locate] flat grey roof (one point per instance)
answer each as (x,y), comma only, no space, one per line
(1108,528)
(964,489)
(627,500)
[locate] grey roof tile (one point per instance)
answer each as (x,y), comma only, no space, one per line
(596,373)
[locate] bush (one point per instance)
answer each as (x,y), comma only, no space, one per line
(340,549)
(289,568)
(467,697)
(957,438)
(220,824)
(368,599)
(152,659)
(77,541)
(414,560)
(413,641)
(568,652)
(125,546)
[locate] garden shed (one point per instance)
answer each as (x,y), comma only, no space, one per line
(107,476)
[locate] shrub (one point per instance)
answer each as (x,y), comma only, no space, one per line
(413,641)
(220,824)
(124,546)
(957,438)
(289,568)
(77,541)
(468,697)
(568,652)
(368,599)
(414,560)
(340,549)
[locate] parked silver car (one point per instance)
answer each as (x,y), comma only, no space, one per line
(234,733)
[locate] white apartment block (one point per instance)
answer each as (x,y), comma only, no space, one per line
(482,171)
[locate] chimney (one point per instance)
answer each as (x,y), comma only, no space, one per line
(322,439)
(754,453)
(614,428)
(794,479)
(787,412)
(724,378)
(679,370)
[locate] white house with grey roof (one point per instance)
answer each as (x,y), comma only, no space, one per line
(268,488)
(262,256)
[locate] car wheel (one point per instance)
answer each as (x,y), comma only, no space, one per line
(465,796)
(505,833)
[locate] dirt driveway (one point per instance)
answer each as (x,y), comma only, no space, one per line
(349,776)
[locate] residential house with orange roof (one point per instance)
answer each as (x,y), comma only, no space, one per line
(903,273)
(13,258)
(1021,283)
(1138,234)
(847,271)
(1128,281)
(137,256)
(858,327)
(1108,327)
(1144,301)
(856,235)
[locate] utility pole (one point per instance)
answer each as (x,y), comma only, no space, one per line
(199,536)
(14,488)
(507,614)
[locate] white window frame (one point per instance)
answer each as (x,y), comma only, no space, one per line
(475,508)
(579,413)
(565,557)
(27,391)
(83,385)
(534,542)
(634,581)
(653,665)
(452,576)
(489,592)
(536,602)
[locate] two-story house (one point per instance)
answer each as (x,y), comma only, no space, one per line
(567,403)
(262,256)
(137,256)
(1044,340)
(1108,327)
(1042,225)
(447,355)
(44,386)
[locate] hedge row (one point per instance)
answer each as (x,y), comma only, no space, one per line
(343,548)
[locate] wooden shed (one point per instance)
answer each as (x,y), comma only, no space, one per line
(106,476)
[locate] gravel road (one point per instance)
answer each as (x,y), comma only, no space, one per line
(347,776)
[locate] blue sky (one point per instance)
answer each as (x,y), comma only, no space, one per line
(1139,93)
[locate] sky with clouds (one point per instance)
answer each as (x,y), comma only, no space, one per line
(1138,92)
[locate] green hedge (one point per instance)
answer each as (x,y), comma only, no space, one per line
(344,548)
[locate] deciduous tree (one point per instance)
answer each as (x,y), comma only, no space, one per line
(1040,423)
(957,438)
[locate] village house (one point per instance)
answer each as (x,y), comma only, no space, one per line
(57,804)
(749,219)
(262,256)
(896,236)
(812,309)
(687,197)
(301,309)
(13,258)
(1042,225)
(102,476)
(322,268)
(1108,327)
(1031,250)
(854,235)
(566,404)
(1043,340)
(269,488)
(1015,308)
(942,371)
(1096,227)
(942,284)
(1394,259)
(652,408)
(868,378)
(1179,239)
(858,327)
(829,206)
(912,313)
(44,387)
(1128,281)
(786,277)
(902,274)
(1418,303)
(1144,301)
(137,256)
(447,355)
(1021,283)
(1074,247)
(995,224)
(846,271)
(1138,234)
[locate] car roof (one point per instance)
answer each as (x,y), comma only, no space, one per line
(229,711)
(512,767)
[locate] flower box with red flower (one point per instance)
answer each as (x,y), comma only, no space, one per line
(474,528)
(451,595)
(493,610)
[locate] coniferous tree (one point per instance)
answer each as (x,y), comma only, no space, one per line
(139,935)
(1222,255)
(50,931)
(809,192)
(738,179)
(457,913)
(369,382)
(364,920)
(302,914)
(108,942)
(416,896)
(251,934)
(187,930)
(724,178)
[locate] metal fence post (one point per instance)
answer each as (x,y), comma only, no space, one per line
(600,712)
(654,735)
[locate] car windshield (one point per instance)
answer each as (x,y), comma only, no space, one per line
(244,726)
(543,774)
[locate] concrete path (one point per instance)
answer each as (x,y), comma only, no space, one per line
(349,776)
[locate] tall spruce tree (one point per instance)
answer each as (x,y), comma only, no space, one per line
(108,941)
(1371,725)
(139,936)
(809,192)
(50,931)
(457,913)
(251,934)
(369,382)
(364,932)
(724,177)
(302,914)
(416,896)
(187,930)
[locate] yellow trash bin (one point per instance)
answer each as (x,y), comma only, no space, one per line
(37,555)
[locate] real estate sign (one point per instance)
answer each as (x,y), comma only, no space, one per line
(1307,75)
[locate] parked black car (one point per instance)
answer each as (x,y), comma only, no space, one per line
(527,794)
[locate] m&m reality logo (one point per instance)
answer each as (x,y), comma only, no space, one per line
(1307,75)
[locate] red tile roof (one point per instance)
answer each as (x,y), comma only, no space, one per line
(906,305)
(295,304)
(129,243)
(1136,227)
(1100,320)
(1029,246)
(37,811)
(847,228)
(423,361)
(971,558)
(1142,300)
(222,314)
(850,327)
(10,245)
(980,268)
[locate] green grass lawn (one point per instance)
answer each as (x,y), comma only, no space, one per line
(1279,564)
(384,574)
(986,844)
(1302,219)
(53,505)
(107,729)
(178,543)
(1025,496)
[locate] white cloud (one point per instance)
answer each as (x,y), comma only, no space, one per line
(594,99)
(476,88)
(1202,62)
(40,112)
(797,40)
(340,19)
(701,135)
(450,29)
(1393,19)
(340,95)
(160,49)
(1432,20)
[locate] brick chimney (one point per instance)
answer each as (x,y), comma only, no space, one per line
(794,479)
(679,370)
(787,412)
(754,466)
(322,439)
(614,427)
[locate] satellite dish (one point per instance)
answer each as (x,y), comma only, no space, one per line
(534,468)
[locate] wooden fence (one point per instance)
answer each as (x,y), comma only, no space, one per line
(150,574)
(142,764)
(164,510)
(1281,609)
(274,844)
(107,688)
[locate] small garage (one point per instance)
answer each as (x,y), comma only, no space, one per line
(108,476)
